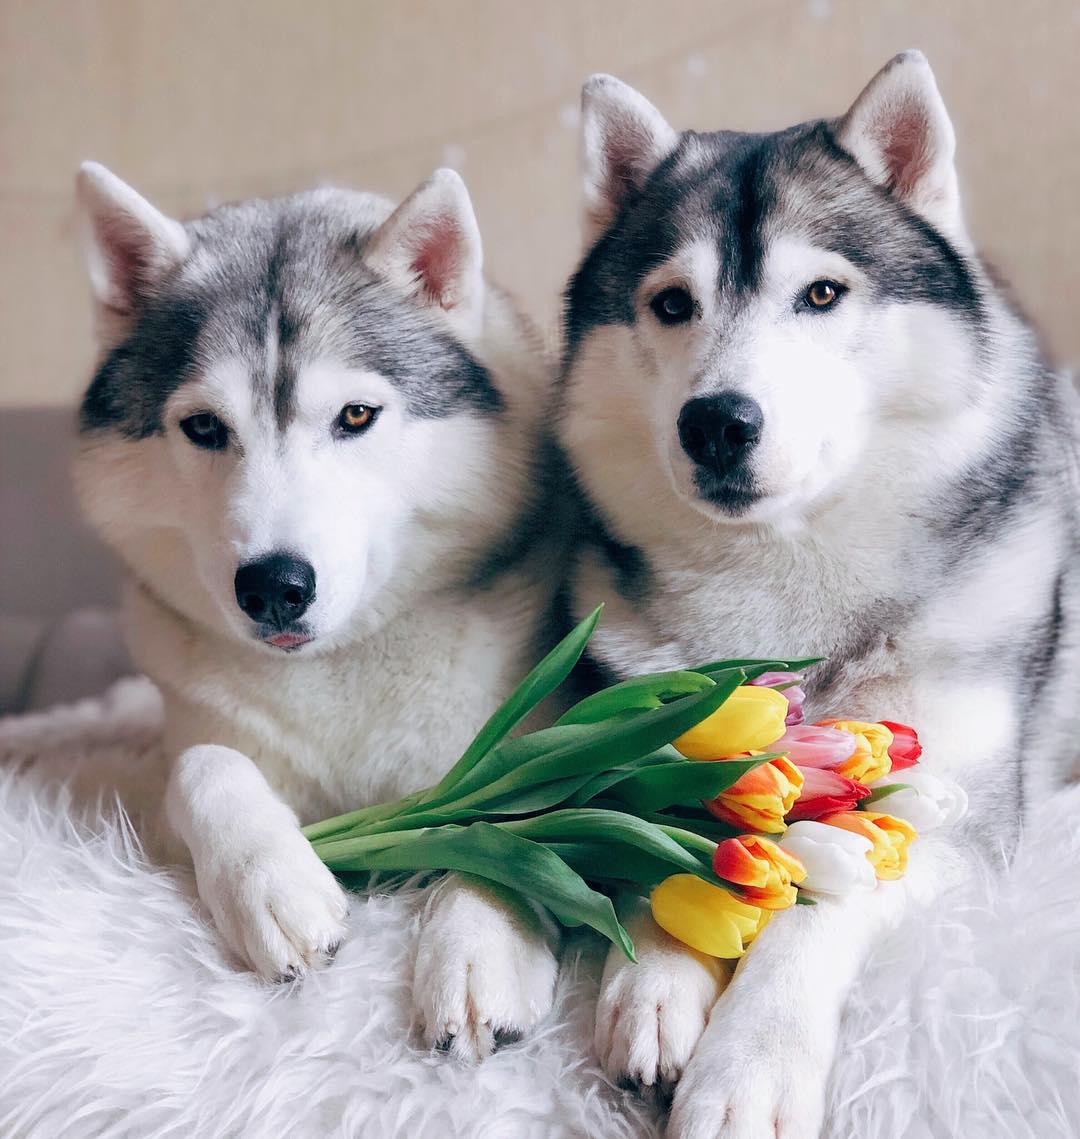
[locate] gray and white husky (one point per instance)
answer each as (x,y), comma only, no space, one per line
(808,422)
(313,439)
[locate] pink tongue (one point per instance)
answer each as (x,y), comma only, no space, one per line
(285,640)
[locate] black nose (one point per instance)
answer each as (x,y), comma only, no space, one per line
(276,589)
(717,431)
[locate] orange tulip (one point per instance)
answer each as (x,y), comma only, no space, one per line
(764,870)
(870,760)
(890,836)
(761,798)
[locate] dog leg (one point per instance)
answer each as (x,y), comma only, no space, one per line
(761,1068)
(276,904)
(651,1014)
(485,968)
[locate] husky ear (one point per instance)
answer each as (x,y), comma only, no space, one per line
(129,244)
(899,132)
(431,246)
(624,138)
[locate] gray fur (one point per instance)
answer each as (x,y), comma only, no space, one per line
(291,267)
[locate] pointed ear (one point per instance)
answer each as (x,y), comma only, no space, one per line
(430,245)
(624,138)
(130,245)
(900,134)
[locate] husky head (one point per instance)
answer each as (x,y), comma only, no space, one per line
(756,311)
(305,408)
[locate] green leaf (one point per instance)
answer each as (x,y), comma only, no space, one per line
(536,687)
(638,694)
(881,792)
(755,668)
(489,851)
(616,828)
(616,865)
(687,781)
(558,752)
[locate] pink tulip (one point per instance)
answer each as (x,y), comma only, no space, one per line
(812,745)
(794,695)
(824,792)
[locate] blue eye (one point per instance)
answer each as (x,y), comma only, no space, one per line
(206,431)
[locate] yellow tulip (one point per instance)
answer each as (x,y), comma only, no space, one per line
(705,917)
(890,836)
(750,719)
(870,760)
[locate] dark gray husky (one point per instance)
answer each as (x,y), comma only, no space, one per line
(808,422)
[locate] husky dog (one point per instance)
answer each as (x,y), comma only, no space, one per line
(808,422)
(313,439)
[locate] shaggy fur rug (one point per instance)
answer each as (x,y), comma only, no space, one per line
(120,1016)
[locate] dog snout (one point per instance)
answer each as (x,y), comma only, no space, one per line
(718,431)
(275,590)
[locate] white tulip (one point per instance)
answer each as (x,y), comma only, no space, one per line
(835,859)
(928,801)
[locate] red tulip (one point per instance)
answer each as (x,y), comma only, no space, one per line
(905,749)
(824,793)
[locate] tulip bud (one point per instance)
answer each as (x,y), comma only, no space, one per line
(836,860)
(706,917)
(927,801)
(763,870)
(870,760)
(825,793)
(889,835)
(761,798)
(750,719)
(814,745)
(905,749)
(793,693)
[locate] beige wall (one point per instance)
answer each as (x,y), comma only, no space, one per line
(196,102)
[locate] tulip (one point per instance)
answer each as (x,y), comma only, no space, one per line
(793,693)
(761,798)
(890,837)
(905,749)
(836,860)
(750,719)
(870,760)
(825,793)
(927,801)
(706,917)
(813,745)
(764,871)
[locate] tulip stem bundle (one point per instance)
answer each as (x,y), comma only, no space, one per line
(615,796)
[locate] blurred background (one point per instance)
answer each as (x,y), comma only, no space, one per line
(198,102)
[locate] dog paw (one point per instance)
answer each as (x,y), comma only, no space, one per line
(650,1015)
(278,906)
(747,1080)
(485,970)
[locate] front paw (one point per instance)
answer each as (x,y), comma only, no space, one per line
(485,970)
(754,1076)
(277,905)
(651,1014)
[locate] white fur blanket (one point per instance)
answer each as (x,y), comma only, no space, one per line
(120,1016)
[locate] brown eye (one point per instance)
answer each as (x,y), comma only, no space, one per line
(206,431)
(355,418)
(673,306)
(823,294)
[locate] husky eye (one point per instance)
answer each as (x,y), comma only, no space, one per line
(356,418)
(206,431)
(673,306)
(823,295)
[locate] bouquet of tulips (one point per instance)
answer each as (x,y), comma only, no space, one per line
(702,789)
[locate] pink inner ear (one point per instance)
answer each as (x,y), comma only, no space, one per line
(129,253)
(437,260)
(905,147)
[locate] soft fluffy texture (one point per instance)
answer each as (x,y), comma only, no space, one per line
(121,1016)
